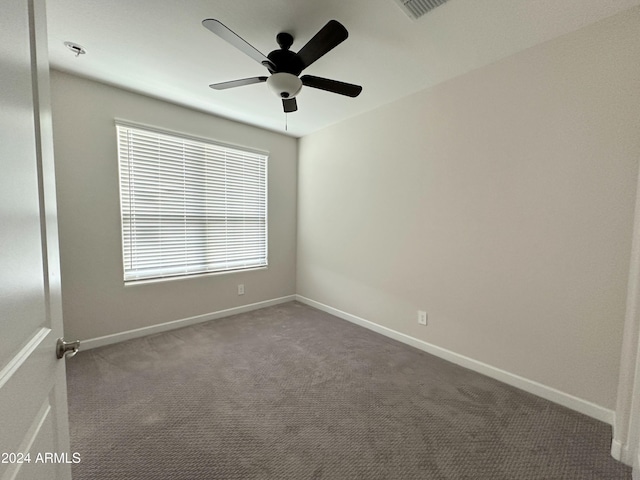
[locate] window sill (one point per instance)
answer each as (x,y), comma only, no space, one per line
(150,281)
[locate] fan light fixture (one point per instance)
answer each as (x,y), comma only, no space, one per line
(284,85)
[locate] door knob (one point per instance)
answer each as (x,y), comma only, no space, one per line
(67,349)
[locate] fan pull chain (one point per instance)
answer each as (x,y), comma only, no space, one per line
(286,122)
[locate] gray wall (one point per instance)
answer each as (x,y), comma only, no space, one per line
(95,300)
(501,202)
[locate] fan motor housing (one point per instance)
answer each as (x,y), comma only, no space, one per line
(286,61)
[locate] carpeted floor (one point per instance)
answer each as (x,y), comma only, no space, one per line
(289,392)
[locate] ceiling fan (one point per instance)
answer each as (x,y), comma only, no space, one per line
(285,66)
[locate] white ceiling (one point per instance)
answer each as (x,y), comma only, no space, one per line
(160,48)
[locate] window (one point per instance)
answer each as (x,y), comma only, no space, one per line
(189,206)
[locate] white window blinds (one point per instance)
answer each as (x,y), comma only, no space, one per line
(189,206)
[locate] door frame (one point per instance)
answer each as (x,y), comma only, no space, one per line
(626,437)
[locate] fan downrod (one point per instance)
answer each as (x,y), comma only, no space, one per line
(284,59)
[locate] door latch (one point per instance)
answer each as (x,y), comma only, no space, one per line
(67,349)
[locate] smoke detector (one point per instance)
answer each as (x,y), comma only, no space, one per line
(416,8)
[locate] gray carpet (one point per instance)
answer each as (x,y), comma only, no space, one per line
(289,392)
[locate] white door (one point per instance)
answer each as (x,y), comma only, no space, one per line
(33,412)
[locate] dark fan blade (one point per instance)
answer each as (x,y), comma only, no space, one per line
(329,36)
(334,86)
(289,104)
(237,83)
(234,39)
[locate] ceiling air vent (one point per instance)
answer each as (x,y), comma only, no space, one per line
(417,8)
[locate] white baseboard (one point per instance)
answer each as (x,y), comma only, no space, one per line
(549,393)
(618,451)
(183,322)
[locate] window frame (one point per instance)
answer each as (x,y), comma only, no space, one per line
(220,148)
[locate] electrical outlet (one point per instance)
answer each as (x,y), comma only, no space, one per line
(241,289)
(422,317)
